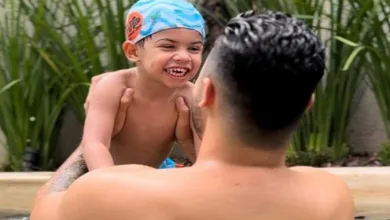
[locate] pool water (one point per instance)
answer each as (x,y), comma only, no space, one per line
(13,216)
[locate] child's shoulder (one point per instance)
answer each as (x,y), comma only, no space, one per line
(125,76)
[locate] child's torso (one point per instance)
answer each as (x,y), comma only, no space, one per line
(148,133)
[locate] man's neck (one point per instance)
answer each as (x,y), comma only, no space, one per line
(151,88)
(219,147)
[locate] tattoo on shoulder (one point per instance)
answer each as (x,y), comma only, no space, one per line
(70,173)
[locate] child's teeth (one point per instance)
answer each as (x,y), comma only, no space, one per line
(178,72)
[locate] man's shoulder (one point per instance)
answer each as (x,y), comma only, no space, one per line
(336,196)
(118,189)
(120,172)
(119,169)
(315,171)
(321,175)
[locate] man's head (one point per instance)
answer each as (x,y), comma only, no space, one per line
(165,39)
(259,79)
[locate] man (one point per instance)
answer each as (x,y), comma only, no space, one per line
(255,85)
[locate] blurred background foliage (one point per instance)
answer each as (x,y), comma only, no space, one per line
(51,49)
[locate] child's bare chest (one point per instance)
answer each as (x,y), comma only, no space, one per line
(149,124)
(147,135)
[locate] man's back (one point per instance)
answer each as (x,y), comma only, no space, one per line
(220,192)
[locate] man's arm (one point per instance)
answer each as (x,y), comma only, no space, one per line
(46,202)
(99,123)
(50,194)
(73,194)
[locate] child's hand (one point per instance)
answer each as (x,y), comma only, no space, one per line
(183,130)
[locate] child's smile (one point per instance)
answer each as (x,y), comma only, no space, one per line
(177,72)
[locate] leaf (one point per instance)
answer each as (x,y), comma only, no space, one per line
(352,57)
(9,85)
(345,41)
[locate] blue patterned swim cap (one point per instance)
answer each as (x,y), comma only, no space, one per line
(147,17)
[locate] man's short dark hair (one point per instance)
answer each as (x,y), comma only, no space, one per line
(267,67)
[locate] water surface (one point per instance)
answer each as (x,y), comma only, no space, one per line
(13,216)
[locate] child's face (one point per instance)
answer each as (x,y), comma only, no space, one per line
(171,56)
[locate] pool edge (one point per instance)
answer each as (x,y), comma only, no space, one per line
(370,187)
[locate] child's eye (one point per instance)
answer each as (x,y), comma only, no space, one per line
(167,46)
(195,49)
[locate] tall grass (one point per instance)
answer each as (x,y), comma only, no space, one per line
(85,39)
(377,54)
(379,68)
(30,102)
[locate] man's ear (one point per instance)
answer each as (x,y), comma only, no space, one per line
(208,93)
(310,103)
(130,51)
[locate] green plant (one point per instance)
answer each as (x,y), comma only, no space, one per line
(384,154)
(316,159)
(377,55)
(83,38)
(30,102)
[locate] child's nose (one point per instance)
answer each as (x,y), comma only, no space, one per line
(182,56)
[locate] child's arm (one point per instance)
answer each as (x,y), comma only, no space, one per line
(99,123)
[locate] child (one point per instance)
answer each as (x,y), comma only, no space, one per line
(164,38)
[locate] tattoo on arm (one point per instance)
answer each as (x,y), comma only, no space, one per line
(70,173)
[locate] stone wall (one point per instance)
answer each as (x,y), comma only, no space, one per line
(366,131)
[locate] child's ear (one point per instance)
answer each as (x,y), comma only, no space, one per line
(130,51)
